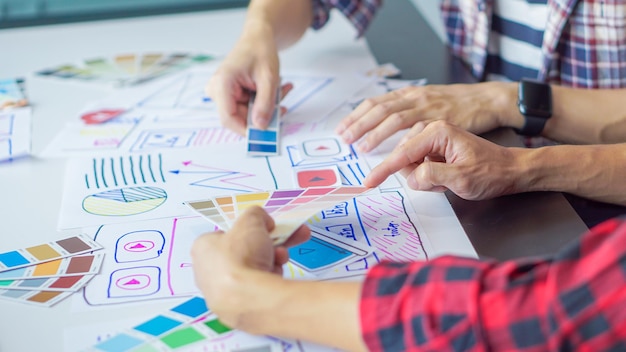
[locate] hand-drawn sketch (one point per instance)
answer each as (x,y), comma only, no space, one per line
(174,114)
(15,136)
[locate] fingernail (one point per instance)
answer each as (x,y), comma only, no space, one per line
(258,121)
(363,146)
(339,129)
(347,137)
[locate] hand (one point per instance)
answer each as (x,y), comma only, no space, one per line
(251,66)
(476,108)
(440,156)
(221,261)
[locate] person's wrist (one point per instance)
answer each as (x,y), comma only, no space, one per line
(251,298)
(257,30)
(505,105)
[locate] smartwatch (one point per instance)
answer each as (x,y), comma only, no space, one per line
(534,99)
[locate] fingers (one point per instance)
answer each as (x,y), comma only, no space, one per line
(284,90)
(232,104)
(429,176)
(381,116)
(388,126)
(250,222)
(265,101)
(417,128)
(301,235)
(431,141)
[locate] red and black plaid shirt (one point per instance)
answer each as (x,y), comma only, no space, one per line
(575,300)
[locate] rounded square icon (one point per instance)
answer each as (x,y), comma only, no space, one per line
(134,282)
(325,147)
(317,178)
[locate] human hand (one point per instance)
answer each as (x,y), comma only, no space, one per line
(476,108)
(439,156)
(222,262)
(252,65)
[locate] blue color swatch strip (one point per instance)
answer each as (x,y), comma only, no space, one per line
(264,142)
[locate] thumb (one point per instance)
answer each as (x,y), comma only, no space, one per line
(264,102)
(252,221)
(431,176)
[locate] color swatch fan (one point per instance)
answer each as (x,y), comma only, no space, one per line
(12,93)
(289,208)
(126,69)
(50,272)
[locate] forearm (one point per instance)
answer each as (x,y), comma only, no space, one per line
(288,20)
(579,116)
(587,116)
(321,312)
(594,172)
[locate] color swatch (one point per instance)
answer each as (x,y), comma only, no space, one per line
(72,266)
(264,142)
(62,283)
(126,69)
(324,250)
(289,208)
(46,252)
(39,298)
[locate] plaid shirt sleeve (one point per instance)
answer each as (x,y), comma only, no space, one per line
(359,12)
(573,301)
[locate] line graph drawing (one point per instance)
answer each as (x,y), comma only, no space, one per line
(220,179)
(124,171)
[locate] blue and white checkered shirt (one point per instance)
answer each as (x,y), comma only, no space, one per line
(583,44)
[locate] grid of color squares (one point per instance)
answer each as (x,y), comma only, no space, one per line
(289,208)
(187,324)
(264,142)
(12,93)
(126,69)
(168,327)
(47,273)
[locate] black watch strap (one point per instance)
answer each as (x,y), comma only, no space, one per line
(533,125)
(535,104)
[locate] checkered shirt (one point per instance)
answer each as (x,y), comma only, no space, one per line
(584,44)
(574,301)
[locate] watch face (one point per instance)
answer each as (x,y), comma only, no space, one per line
(535,99)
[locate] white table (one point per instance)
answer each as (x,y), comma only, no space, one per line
(31,188)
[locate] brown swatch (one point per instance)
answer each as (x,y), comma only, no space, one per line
(73,245)
(80,264)
(44,296)
(65,281)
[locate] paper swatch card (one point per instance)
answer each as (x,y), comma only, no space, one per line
(45,252)
(289,208)
(12,93)
(325,250)
(264,142)
(126,69)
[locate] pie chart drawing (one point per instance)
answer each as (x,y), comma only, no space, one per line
(125,201)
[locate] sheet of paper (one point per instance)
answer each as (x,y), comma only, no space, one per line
(15,133)
(175,114)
